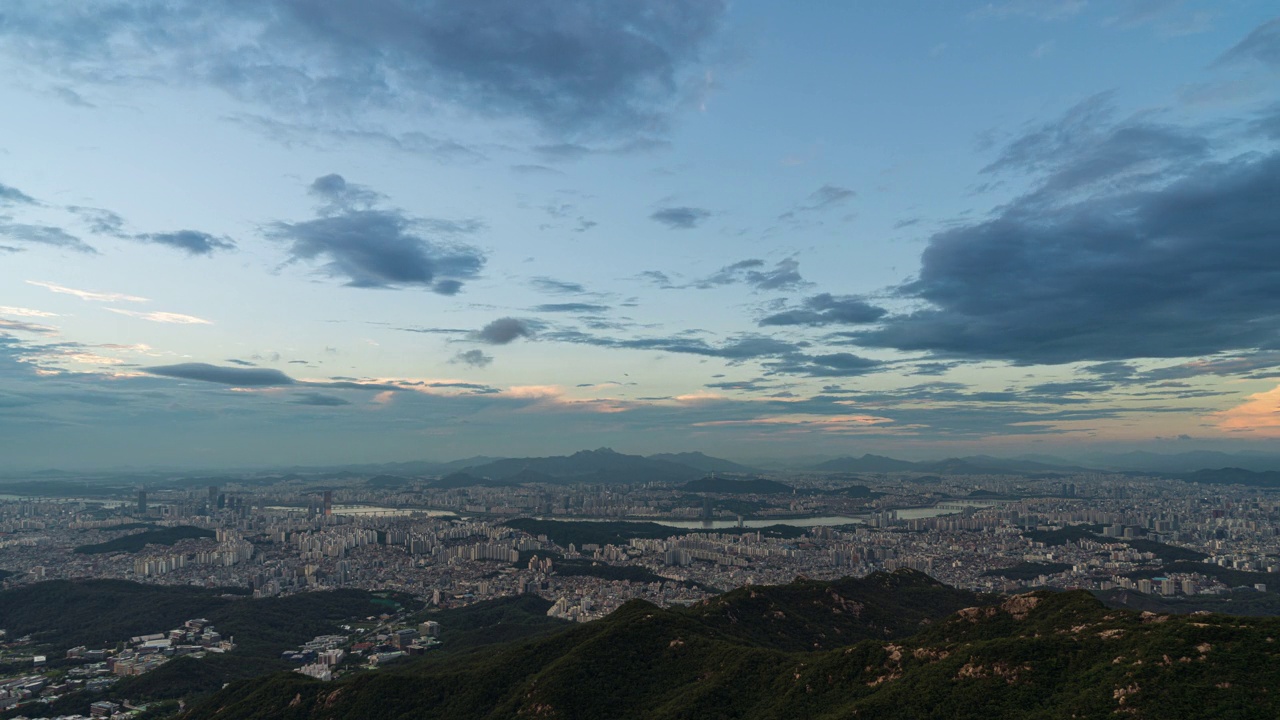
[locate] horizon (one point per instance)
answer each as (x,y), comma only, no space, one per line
(275,234)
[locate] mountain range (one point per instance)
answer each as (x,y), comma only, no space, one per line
(891,645)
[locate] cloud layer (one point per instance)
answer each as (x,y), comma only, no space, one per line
(572,66)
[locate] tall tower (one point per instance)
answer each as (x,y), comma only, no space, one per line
(142,502)
(328,503)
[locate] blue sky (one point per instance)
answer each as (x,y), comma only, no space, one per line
(291,231)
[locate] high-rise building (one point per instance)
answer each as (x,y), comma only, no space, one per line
(328,503)
(142,502)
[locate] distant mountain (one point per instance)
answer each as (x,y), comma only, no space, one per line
(973,465)
(1234,476)
(754,486)
(705,463)
(603,466)
(1188,461)
(388,482)
(462,479)
(866,463)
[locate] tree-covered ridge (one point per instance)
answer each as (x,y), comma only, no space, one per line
(60,614)
(137,541)
(1039,655)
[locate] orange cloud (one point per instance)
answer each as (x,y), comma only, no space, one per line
(820,422)
(1259,414)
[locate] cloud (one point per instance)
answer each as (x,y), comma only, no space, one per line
(234,376)
(100,221)
(1041,10)
(1181,268)
(43,235)
(784,275)
(557,287)
(828,309)
(571,308)
(474,358)
(14,196)
(318,400)
(742,347)
(841,364)
(1259,415)
(823,198)
(91,295)
(337,193)
(192,242)
(829,195)
(18,325)
(162,317)
(378,248)
(24,312)
(681,218)
(504,330)
(1262,46)
(1085,148)
(570,66)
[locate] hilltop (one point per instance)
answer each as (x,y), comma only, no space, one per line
(892,645)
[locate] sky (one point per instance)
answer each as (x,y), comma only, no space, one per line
(242,233)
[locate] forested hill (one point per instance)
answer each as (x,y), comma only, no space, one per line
(61,614)
(1039,655)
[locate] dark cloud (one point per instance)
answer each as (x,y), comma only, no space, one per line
(376,248)
(43,235)
(828,309)
(828,195)
(1085,148)
(823,198)
(571,308)
(474,358)
(681,218)
(572,66)
(336,192)
(744,385)
(1268,124)
(325,134)
(20,326)
(1184,269)
(535,170)
(436,331)
(841,364)
(557,287)
(242,363)
(14,196)
(659,278)
(318,400)
(1262,45)
(743,347)
(1113,371)
(102,222)
(1069,388)
(234,376)
(190,241)
(570,152)
(504,330)
(784,275)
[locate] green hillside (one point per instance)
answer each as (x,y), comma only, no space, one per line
(903,652)
(134,543)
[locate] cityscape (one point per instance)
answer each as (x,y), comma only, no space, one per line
(639,359)
(587,549)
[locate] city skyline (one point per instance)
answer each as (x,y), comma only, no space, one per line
(299,233)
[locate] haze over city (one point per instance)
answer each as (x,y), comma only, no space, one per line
(277,233)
